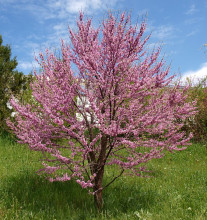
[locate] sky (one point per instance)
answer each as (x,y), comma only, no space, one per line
(178,26)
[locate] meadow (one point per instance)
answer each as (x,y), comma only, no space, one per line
(176,190)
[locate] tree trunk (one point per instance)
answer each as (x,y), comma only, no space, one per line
(98,189)
(98,200)
(99,170)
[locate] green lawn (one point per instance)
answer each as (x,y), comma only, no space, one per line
(178,189)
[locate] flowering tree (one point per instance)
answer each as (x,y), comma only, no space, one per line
(113,109)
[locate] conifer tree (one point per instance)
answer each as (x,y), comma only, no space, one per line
(11,82)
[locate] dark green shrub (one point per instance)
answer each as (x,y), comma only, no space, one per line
(198,124)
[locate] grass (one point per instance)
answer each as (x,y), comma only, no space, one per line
(178,189)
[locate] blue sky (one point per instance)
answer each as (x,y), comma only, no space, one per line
(180,26)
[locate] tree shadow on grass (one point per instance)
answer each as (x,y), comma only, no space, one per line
(34,194)
(124,197)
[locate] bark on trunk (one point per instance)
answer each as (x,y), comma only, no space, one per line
(98,189)
(98,200)
(98,168)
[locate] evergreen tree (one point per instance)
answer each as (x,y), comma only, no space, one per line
(11,82)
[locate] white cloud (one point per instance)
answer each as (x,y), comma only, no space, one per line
(163,32)
(192,33)
(195,75)
(191,10)
(28,65)
(75,6)
(60,9)
(64,8)
(60,29)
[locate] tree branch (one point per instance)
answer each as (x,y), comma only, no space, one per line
(113,180)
